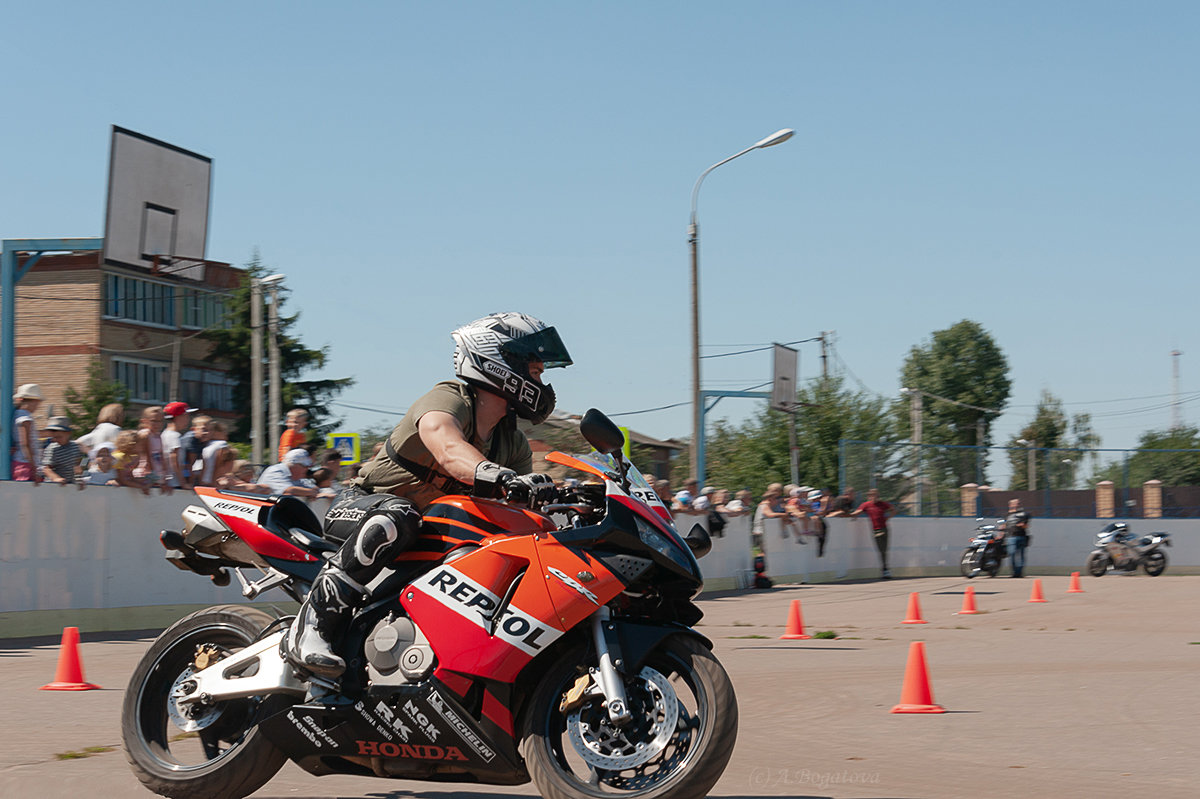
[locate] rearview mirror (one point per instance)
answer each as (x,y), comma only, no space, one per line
(600,432)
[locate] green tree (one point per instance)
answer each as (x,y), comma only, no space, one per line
(1063,445)
(964,364)
(232,347)
(1153,461)
(757,453)
(83,406)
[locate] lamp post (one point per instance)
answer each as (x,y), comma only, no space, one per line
(778,137)
(1031,465)
(916,421)
(1071,468)
(256,375)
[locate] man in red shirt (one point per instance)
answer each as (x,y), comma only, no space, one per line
(878,512)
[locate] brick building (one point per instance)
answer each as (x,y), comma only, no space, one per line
(143,324)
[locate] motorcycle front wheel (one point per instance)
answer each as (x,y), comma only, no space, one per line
(199,750)
(1155,563)
(1097,564)
(968,565)
(682,734)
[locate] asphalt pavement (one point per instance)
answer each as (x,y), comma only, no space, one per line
(1092,694)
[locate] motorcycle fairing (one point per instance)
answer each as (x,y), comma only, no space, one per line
(244,515)
(419,732)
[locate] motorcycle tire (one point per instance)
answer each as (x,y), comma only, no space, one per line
(1097,564)
(967,564)
(993,569)
(1155,563)
(214,750)
(677,746)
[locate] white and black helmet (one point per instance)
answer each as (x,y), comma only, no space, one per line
(494,353)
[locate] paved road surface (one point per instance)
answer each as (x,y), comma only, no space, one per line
(1094,694)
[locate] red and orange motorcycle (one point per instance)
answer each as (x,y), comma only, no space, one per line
(553,643)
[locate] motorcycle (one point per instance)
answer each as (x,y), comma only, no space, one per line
(985,551)
(557,647)
(1118,549)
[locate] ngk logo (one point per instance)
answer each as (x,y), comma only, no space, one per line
(421,720)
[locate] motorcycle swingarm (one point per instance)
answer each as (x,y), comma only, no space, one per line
(223,680)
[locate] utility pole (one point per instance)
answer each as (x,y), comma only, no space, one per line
(1176,417)
(275,409)
(256,369)
(824,355)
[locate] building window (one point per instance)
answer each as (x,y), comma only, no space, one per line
(146,380)
(204,309)
(139,300)
(210,389)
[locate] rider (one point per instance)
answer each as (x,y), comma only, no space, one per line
(436,449)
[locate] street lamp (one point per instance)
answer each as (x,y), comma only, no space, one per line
(1031,467)
(778,137)
(916,421)
(1071,467)
(256,377)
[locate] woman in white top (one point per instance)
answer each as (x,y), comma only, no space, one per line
(108,424)
(216,460)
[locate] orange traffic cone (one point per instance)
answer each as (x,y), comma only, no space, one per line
(69,675)
(968,607)
(1036,594)
(914,611)
(1075,589)
(916,696)
(795,623)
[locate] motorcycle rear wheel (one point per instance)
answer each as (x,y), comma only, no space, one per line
(1155,563)
(211,750)
(676,747)
(1097,564)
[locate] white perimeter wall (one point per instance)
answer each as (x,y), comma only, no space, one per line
(92,558)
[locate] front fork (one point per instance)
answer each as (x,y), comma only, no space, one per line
(607,679)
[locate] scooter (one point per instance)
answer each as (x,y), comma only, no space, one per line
(985,552)
(1117,548)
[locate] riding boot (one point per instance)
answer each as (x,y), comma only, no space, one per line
(320,622)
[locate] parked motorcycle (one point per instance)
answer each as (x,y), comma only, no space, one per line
(558,653)
(1117,548)
(984,552)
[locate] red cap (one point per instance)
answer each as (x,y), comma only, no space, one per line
(173,409)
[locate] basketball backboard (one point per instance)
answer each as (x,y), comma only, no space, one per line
(157,211)
(783,384)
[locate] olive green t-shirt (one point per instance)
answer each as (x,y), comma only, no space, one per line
(506,446)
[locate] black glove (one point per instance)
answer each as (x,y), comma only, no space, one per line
(532,489)
(491,479)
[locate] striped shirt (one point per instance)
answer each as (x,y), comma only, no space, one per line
(62,458)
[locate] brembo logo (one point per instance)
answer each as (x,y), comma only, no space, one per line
(414,751)
(472,601)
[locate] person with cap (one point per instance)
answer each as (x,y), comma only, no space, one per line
(290,477)
(461,437)
(179,421)
(61,457)
(25,455)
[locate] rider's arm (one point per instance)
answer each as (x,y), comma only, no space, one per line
(443,436)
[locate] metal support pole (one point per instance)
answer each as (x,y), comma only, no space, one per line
(917,421)
(697,400)
(256,372)
(276,411)
(793,450)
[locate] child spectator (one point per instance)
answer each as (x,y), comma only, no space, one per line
(25,453)
(323,477)
(178,420)
(102,469)
(151,466)
(241,478)
(61,458)
(124,458)
(294,436)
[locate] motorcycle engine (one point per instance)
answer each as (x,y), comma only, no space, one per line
(397,652)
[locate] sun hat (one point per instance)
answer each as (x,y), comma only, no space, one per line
(61,423)
(28,391)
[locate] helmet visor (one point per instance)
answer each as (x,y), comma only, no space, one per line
(544,346)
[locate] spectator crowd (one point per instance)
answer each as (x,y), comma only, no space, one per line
(169,449)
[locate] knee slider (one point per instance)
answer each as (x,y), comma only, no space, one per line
(384,534)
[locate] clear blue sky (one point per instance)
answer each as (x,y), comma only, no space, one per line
(411,166)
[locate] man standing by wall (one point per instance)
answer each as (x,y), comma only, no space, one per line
(1016,536)
(878,512)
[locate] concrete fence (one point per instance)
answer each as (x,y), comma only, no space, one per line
(92,558)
